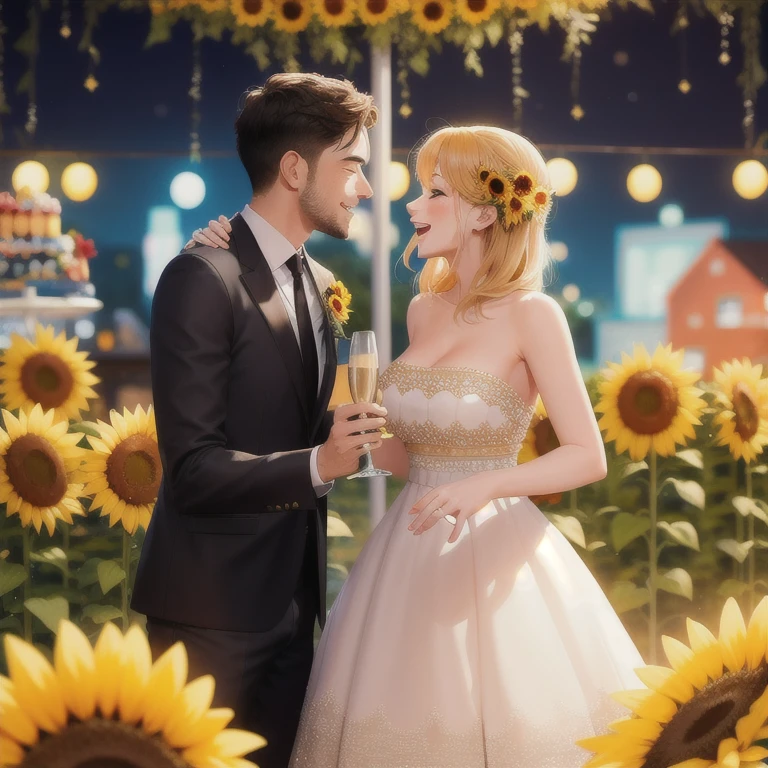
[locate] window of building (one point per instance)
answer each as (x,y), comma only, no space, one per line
(730,312)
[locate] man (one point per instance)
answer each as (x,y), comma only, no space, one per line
(243,365)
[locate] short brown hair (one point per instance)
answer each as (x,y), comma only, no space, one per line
(297,111)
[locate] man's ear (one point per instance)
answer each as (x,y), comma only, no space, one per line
(484,216)
(294,170)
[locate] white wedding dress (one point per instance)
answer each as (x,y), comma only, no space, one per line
(497,651)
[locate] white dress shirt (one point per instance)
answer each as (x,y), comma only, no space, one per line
(277,250)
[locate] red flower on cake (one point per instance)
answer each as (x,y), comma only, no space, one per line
(84,249)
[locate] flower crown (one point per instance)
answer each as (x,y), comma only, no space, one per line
(517,196)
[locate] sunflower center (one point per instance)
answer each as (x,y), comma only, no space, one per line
(46,379)
(292,11)
(648,402)
(544,437)
(133,470)
(36,471)
(334,7)
(747,418)
(709,717)
(376,7)
(253,6)
(433,11)
(102,744)
(476,6)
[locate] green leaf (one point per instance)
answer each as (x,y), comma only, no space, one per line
(760,469)
(11,624)
(570,527)
(626,527)
(88,573)
(746,506)
(735,549)
(50,610)
(159,30)
(633,468)
(732,588)
(110,575)
(54,556)
(692,457)
(11,576)
(607,510)
(87,428)
(98,614)
(593,545)
(682,532)
(494,31)
(626,596)
(688,490)
(339,529)
(677,582)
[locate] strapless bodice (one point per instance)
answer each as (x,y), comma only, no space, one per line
(454,419)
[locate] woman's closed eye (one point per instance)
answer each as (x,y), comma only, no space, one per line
(436,192)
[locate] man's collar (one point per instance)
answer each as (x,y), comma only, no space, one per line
(276,248)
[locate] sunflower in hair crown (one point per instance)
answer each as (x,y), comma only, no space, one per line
(516,196)
(337,301)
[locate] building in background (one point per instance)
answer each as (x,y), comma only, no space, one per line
(718,309)
(649,261)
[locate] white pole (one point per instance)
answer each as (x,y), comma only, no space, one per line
(381,156)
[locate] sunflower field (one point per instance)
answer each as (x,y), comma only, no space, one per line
(673,533)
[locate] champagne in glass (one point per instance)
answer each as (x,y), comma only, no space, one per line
(363,385)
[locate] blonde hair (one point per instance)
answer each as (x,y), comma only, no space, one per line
(514,259)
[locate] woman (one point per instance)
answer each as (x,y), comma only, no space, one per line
(469,633)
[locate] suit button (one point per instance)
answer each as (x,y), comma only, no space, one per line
(295,505)
(306,529)
(270,508)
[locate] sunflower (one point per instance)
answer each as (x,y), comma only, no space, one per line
(49,371)
(251,13)
(124,470)
(334,13)
(292,15)
(432,16)
(38,465)
(743,418)
(539,440)
(110,705)
(541,199)
(374,12)
(649,402)
(514,212)
(477,11)
(707,711)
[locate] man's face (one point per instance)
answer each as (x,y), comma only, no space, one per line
(336,184)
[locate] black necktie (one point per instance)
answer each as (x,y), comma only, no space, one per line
(306,334)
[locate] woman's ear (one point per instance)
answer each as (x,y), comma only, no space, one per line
(484,216)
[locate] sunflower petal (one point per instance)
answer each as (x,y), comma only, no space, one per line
(169,673)
(75,665)
(108,653)
(15,721)
(137,663)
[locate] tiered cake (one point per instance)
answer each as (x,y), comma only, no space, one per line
(35,253)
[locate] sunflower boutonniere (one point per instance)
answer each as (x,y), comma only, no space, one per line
(337,301)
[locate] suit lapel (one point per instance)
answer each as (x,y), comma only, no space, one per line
(329,371)
(260,284)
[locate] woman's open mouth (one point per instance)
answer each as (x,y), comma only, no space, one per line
(422,229)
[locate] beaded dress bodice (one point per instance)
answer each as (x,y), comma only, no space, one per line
(454,419)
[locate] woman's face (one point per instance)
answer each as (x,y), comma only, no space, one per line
(437,215)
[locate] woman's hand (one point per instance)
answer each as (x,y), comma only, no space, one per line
(216,234)
(461,500)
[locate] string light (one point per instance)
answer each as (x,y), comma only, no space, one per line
(65,30)
(518,92)
(195,93)
(726,23)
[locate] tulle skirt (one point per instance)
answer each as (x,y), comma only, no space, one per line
(497,651)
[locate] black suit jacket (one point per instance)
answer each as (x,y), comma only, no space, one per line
(235,429)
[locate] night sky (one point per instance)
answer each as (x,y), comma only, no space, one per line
(142,105)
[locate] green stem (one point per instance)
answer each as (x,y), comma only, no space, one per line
(65,546)
(25,539)
(740,539)
(652,574)
(750,537)
(573,500)
(126,570)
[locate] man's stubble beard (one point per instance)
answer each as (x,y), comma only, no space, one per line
(313,207)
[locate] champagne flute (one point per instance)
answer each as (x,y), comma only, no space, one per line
(363,371)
